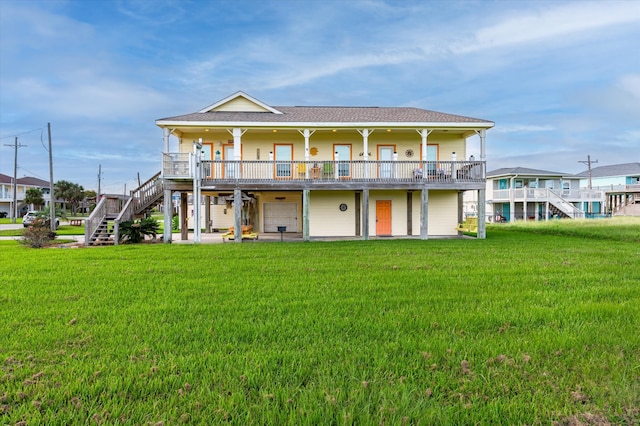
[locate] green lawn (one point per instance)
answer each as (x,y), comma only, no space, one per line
(530,326)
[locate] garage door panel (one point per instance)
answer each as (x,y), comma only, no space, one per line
(280,214)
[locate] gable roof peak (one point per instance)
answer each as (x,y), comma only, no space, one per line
(240,102)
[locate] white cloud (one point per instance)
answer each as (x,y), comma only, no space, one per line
(631,84)
(551,24)
(523,128)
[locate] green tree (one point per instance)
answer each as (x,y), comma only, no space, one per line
(90,197)
(34,197)
(69,192)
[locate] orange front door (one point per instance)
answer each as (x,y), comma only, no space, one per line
(383,217)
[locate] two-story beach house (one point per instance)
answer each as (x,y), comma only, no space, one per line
(7,189)
(621,182)
(324,171)
(316,171)
(521,193)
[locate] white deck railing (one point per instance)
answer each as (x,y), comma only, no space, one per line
(546,194)
(179,166)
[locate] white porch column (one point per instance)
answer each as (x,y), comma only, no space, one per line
(365,214)
(237,149)
(546,210)
(165,136)
(424,215)
(482,214)
(168,216)
(207,214)
(237,143)
(482,133)
(525,214)
(167,202)
(237,215)
(306,133)
(305,214)
(197,175)
(365,146)
(424,133)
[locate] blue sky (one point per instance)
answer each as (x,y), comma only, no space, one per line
(561,79)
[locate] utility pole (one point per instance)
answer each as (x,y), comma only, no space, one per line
(99,181)
(14,210)
(589,163)
(52,203)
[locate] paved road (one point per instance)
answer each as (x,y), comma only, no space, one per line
(19,226)
(10,226)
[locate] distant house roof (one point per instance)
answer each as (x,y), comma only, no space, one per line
(32,181)
(626,169)
(27,180)
(241,108)
(523,171)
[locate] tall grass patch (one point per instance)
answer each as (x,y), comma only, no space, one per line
(520,328)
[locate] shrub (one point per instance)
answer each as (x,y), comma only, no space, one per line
(37,235)
(135,231)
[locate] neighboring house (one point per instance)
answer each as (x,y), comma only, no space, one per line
(621,182)
(322,171)
(523,193)
(24,183)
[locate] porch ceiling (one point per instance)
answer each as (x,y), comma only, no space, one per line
(204,130)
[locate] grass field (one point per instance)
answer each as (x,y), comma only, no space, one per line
(533,325)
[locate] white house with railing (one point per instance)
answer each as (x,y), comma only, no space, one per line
(521,193)
(621,182)
(7,189)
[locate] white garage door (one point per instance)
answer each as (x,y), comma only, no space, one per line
(280,214)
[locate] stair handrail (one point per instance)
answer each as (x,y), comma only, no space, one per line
(147,193)
(125,215)
(94,220)
(108,205)
(566,207)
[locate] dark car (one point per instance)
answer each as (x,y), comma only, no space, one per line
(33,217)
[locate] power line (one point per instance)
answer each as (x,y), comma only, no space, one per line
(20,134)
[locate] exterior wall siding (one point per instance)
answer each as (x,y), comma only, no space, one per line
(256,144)
(443,217)
(325,217)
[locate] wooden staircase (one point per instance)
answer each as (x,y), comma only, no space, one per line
(148,195)
(101,227)
(556,212)
(103,235)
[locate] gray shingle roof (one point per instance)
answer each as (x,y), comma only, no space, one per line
(26,180)
(523,171)
(320,114)
(5,178)
(32,181)
(626,169)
